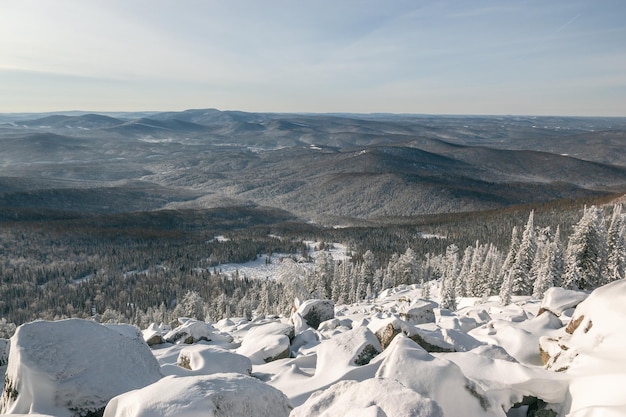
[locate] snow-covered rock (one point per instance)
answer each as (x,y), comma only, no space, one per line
(192,331)
(206,360)
(356,347)
(375,397)
(153,335)
(436,378)
(218,395)
(507,382)
(419,312)
(558,300)
(519,339)
(314,312)
(72,367)
(267,343)
(591,353)
(388,328)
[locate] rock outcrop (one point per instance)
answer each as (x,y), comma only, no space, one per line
(74,367)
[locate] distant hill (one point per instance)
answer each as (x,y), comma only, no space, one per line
(314,165)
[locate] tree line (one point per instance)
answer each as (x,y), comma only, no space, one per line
(144,279)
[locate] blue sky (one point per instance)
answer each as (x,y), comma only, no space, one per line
(560,57)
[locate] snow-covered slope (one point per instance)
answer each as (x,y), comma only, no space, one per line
(397,355)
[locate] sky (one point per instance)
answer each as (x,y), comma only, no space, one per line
(558,57)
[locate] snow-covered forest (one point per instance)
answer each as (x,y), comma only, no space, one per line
(321,328)
(535,258)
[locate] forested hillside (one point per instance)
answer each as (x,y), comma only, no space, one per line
(156,266)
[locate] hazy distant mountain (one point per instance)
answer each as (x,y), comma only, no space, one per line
(311,164)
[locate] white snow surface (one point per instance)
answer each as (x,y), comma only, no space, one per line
(593,355)
(487,358)
(218,395)
(60,367)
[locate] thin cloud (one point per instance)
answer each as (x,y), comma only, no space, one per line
(566,24)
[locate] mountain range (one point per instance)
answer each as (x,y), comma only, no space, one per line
(321,167)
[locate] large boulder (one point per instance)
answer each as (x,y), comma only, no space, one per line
(387,329)
(192,331)
(267,343)
(74,367)
(218,395)
(590,352)
(203,359)
(314,312)
(435,378)
(419,312)
(370,398)
(355,347)
(559,300)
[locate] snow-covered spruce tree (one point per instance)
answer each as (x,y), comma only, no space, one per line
(615,246)
(464,273)
(390,279)
(585,257)
(425,286)
(324,266)
(507,265)
(505,290)
(521,280)
(407,268)
(191,305)
(450,272)
(475,283)
(491,271)
(550,267)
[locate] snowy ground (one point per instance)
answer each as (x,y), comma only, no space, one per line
(268,266)
(397,355)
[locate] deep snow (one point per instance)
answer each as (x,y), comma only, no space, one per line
(372,359)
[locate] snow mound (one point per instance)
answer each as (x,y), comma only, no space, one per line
(201,359)
(419,312)
(557,300)
(435,378)
(356,347)
(519,339)
(507,382)
(192,331)
(72,367)
(219,395)
(314,312)
(590,351)
(375,397)
(267,343)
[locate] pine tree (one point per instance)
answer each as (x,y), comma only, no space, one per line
(475,282)
(505,290)
(448,281)
(521,280)
(491,272)
(585,257)
(507,265)
(464,273)
(390,279)
(616,247)
(550,267)
(407,267)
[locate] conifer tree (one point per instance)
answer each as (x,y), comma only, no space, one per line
(507,265)
(448,281)
(521,280)
(407,267)
(464,273)
(616,247)
(585,257)
(505,290)
(550,267)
